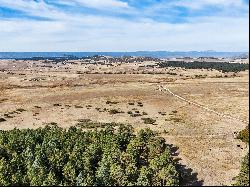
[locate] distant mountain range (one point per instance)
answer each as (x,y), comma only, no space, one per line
(155,54)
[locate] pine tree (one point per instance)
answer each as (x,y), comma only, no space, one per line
(50,180)
(5,173)
(144,178)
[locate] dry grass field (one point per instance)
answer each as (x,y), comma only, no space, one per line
(32,96)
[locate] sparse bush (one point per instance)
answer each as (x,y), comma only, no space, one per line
(244,135)
(88,106)
(52,123)
(20,110)
(112,102)
(148,120)
(2,119)
(170,73)
(174,111)
(165,131)
(115,111)
(176,119)
(57,104)
(162,113)
(130,112)
(98,109)
(8,116)
(135,115)
(78,106)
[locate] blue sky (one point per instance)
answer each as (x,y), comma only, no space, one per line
(124,25)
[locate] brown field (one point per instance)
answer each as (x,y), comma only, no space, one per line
(32,96)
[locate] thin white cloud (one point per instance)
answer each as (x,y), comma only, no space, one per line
(35,8)
(42,9)
(98,4)
(24,5)
(38,5)
(198,4)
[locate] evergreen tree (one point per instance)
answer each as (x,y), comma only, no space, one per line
(54,156)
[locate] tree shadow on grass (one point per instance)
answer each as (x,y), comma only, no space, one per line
(187,176)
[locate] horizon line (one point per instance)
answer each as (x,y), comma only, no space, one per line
(123,51)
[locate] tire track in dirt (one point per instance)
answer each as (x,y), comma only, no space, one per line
(161,88)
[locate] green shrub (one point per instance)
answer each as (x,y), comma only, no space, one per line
(244,135)
(112,102)
(148,120)
(115,111)
(176,119)
(162,113)
(78,106)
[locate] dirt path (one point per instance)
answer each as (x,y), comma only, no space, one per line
(215,158)
(161,88)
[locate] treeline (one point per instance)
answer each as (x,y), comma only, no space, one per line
(55,156)
(220,66)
